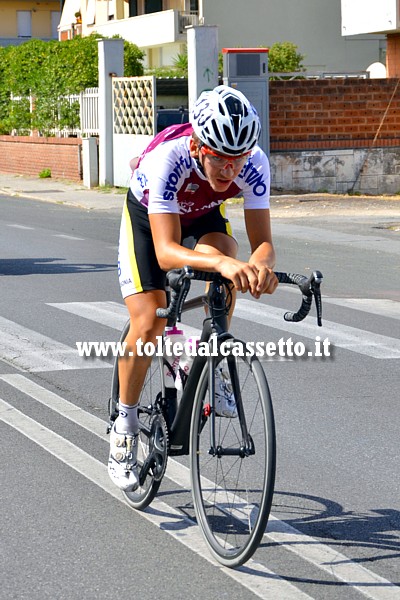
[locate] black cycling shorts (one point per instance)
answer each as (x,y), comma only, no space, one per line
(138,268)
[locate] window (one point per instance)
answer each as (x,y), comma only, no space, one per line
(133,8)
(91,12)
(111,9)
(194,6)
(152,6)
(24,23)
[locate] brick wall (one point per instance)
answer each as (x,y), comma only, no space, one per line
(31,155)
(334,113)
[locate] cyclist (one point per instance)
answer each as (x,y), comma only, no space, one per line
(174,215)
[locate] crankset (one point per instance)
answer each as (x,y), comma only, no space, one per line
(156,460)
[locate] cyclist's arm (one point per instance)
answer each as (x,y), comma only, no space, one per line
(133,163)
(166,232)
(258,227)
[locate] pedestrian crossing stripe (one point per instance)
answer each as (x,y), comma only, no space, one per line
(364,342)
(31,351)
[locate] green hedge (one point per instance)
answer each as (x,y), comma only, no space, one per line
(48,71)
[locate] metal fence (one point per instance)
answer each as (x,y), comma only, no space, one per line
(134,109)
(85,107)
(89,112)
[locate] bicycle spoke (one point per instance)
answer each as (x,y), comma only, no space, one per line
(232,487)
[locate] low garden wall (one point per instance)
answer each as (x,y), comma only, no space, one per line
(33,155)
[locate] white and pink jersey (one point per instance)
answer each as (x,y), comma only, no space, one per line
(168,180)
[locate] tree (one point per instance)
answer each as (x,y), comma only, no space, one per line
(48,71)
(284,58)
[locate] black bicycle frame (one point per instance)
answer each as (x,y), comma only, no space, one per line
(216,323)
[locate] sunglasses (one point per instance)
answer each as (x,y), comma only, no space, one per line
(223,161)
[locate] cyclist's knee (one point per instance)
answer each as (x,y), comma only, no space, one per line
(144,322)
(148,327)
(217,242)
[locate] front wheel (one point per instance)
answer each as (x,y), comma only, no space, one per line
(233,459)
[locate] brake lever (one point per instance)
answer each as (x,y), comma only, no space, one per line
(316,292)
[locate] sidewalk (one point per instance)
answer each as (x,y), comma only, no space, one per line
(61,192)
(282,205)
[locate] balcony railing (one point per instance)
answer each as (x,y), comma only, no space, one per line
(187,20)
(151,30)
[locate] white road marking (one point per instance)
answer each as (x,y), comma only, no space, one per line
(383,307)
(262,582)
(68,237)
(320,555)
(63,407)
(361,341)
(377,306)
(328,559)
(367,242)
(110,314)
(31,351)
(342,336)
(16,226)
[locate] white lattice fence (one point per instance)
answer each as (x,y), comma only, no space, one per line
(134,105)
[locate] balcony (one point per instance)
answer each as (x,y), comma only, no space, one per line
(152,30)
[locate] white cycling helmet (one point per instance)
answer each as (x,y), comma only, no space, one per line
(225,121)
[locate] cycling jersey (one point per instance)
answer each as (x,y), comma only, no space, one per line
(168,180)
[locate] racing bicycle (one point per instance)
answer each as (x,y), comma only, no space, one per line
(232,460)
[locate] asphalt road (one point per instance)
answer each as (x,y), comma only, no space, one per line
(65,530)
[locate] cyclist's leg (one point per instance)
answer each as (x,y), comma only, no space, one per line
(140,383)
(144,326)
(212,234)
(142,285)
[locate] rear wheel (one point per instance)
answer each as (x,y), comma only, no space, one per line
(233,460)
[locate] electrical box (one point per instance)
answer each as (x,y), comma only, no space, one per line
(246,69)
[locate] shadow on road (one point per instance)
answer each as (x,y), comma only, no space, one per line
(48,266)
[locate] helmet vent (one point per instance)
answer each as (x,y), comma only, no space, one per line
(217,131)
(243,136)
(233,106)
(229,136)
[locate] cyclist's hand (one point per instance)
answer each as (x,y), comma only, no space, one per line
(243,275)
(267,281)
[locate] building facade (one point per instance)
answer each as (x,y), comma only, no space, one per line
(367,17)
(23,20)
(159,28)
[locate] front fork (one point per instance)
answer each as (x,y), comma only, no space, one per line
(246,447)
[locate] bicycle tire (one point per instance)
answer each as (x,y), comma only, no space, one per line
(232,495)
(147,490)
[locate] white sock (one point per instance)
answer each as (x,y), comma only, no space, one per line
(127,420)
